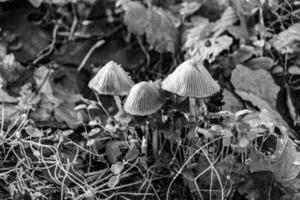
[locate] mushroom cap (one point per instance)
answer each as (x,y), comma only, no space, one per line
(143,99)
(111,79)
(191,79)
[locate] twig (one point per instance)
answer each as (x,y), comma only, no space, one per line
(51,46)
(89,53)
(144,51)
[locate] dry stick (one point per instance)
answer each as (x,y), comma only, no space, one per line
(89,53)
(74,23)
(51,46)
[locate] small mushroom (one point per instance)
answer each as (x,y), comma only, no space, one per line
(191,79)
(144,99)
(113,80)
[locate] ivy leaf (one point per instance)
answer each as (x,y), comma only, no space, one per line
(161,33)
(135,17)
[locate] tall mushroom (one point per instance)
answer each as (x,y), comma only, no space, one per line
(144,99)
(191,79)
(113,80)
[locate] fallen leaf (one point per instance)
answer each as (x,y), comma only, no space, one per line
(29,39)
(156,23)
(255,84)
(113,150)
(117,167)
(260,63)
(195,33)
(231,102)
(288,165)
(228,18)
(188,8)
(294,70)
(161,33)
(113,181)
(36,3)
(284,163)
(10,69)
(287,38)
(135,17)
(209,49)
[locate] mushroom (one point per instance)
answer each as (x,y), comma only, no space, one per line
(191,79)
(113,80)
(144,99)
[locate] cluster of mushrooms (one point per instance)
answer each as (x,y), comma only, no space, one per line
(190,79)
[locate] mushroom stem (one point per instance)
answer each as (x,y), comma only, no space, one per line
(203,106)
(155,143)
(119,103)
(101,105)
(193,107)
